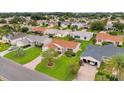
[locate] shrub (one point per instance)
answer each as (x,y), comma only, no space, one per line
(73,68)
(106,43)
(39,45)
(113,33)
(69,53)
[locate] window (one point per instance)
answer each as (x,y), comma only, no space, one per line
(77,36)
(99,40)
(70,49)
(117,43)
(85,37)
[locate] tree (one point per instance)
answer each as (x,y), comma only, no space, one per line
(4,30)
(3,21)
(20,52)
(97,26)
(49,56)
(59,24)
(16,27)
(115,66)
(118,25)
(17,20)
(24,29)
(35,17)
(33,23)
(74,68)
(70,53)
(69,26)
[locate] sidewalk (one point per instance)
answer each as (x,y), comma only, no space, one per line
(34,63)
(5,52)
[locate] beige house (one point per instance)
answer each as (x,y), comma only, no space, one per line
(105,37)
(63,45)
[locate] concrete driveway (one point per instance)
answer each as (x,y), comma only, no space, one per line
(86,73)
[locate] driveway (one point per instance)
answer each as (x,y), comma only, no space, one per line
(34,63)
(86,73)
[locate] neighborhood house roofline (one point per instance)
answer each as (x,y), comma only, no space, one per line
(105,36)
(63,43)
(98,52)
(39,29)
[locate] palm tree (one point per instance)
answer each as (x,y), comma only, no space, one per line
(20,52)
(49,56)
(16,27)
(115,66)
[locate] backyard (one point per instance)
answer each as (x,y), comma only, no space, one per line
(3,47)
(61,69)
(29,55)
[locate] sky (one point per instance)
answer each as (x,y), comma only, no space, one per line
(61,5)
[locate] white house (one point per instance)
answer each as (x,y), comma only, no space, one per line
(13,38)
(58,33)
(61,45)
(82,35)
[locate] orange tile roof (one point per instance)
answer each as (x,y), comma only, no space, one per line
(105,36)
(39,29)
(63,43)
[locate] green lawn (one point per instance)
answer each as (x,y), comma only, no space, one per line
(61,69)
(30,54)
(3,47)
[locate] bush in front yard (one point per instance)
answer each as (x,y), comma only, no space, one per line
(106,43)
(73,68)
(70,53)
(39,45)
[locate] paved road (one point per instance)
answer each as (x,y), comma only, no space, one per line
(16,72)
(34,63)
(86,73)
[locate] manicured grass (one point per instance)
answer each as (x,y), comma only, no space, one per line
(30,54)
(3,47)
(61,69)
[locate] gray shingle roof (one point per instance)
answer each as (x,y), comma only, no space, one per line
(98,52)
(18,35)
(82,33)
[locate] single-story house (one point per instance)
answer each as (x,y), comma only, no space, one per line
(80,25)
(96,54)
(35,39)
(21,39)
(38,29)
(109,25)
(64,24)
(63,45)
(82,35)
(22,43)
(13,38)
(105,37)
(58,33)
